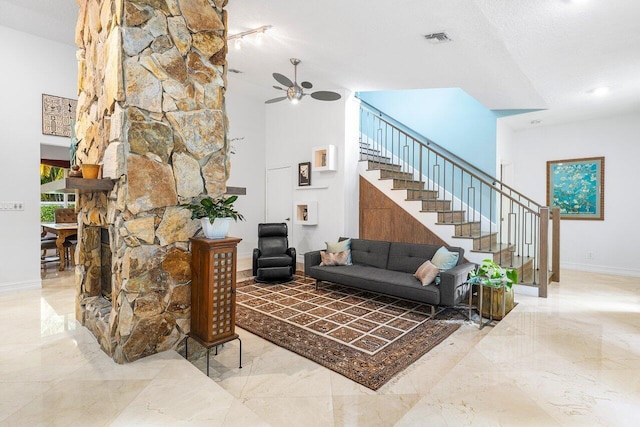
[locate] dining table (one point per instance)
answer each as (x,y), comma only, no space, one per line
(62,230)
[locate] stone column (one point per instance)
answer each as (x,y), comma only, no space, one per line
(151,82)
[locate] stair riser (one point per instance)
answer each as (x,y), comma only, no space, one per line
(503,257)
(451,217)
(373,158)
(467,229)
(436,205)
(387,174)
(422,195)
(382,166)
(525,272)
(484,242)
(399,184)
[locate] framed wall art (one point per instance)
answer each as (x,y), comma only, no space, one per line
(304,174)
(57,114)
(576,186)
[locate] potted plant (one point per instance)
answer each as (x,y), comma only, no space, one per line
(215,215)
(491,274)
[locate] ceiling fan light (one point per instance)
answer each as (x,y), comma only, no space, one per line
(294,93)
(238,43)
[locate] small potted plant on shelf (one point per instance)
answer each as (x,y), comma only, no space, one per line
(215,215)
(491,274)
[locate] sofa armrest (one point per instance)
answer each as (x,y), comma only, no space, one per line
(452,288)
(311,259)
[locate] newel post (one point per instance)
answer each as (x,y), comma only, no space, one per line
(555,256)
(544,252)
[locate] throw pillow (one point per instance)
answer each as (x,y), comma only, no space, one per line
(426,273)
(444,260)
(334,258)
(344,245)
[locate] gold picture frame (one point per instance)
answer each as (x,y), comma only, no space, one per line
(576,186)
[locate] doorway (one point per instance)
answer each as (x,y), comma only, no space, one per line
(279,195)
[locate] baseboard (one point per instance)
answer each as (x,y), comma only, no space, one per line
(603,269)
(244,262)
(526,290)
(20,286)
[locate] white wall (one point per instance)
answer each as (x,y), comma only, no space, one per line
(291,133)
(614,241)
(31,66)
(246,114)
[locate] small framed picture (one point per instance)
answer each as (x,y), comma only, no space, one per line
(304,174)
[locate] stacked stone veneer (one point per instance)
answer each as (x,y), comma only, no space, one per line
(151,80)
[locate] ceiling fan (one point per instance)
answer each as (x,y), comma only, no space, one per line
(295,92)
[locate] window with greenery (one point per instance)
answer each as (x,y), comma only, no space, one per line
(49,202)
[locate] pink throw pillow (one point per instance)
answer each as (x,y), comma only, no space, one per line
(334,258)
(426,273)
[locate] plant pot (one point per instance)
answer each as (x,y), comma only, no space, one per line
(90,171)
(217,230)
(496,302)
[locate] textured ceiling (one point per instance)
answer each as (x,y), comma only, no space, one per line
(508,54)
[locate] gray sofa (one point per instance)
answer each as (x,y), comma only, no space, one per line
(388,268)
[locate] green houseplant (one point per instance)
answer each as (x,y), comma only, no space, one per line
(491,274)
(215,215)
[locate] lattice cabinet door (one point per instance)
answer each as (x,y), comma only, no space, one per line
(213,289)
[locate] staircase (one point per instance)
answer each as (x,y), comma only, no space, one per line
(461,204)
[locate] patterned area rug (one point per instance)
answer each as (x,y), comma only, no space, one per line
(367,337)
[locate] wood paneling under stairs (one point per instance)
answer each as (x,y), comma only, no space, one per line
(382,219)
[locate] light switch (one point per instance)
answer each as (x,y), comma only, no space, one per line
(11,206)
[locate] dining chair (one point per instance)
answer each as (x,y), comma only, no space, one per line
(67,215)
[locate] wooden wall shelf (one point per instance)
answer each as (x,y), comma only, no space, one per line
(70,185)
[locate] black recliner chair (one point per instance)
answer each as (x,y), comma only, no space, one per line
(273,259)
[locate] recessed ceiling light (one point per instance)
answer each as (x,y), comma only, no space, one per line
(600,91)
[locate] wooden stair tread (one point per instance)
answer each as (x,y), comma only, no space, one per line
(494,249)
(476,235)
(451,211)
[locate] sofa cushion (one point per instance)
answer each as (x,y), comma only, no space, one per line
(408,257)
(370,252)
(395,283)
(444,260)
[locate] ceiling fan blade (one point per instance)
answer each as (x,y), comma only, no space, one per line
(306,85)
(278,87)
(271,101)
(324,95)
(282,80)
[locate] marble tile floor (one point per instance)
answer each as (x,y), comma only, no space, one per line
(572,359)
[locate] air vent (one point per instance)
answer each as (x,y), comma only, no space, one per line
(437,38)
(234,71)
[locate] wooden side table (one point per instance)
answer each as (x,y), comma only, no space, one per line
(492,287)
(213,292)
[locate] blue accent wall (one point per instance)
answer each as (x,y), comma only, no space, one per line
(449,117)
